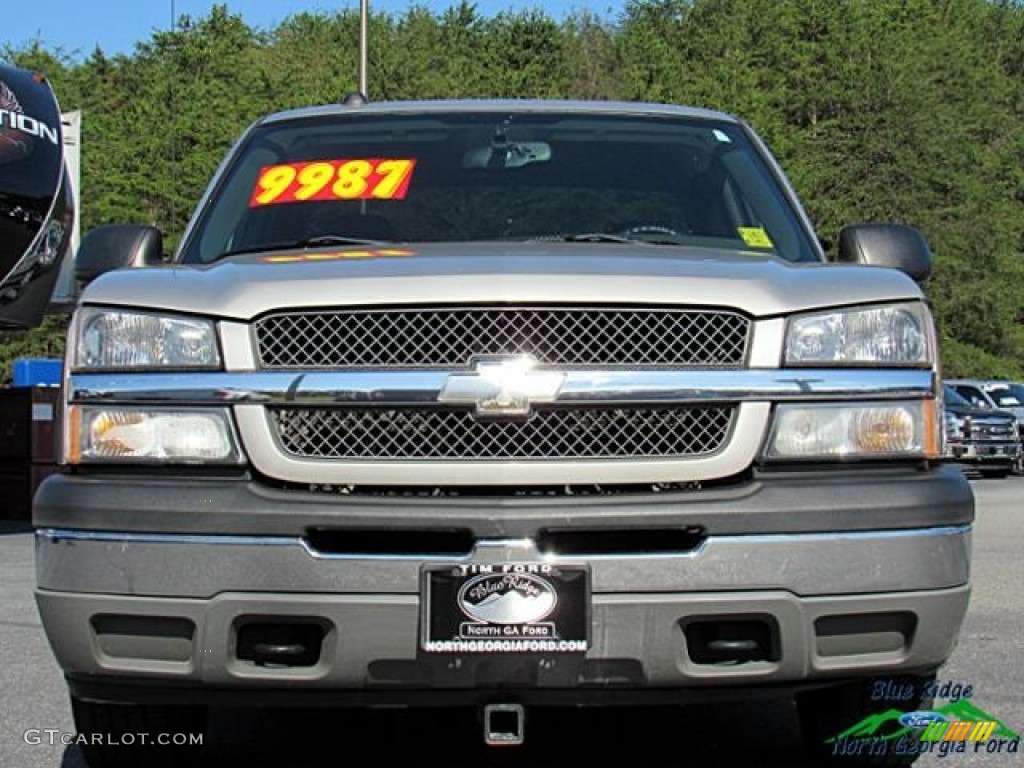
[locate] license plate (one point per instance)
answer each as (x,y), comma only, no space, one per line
(505,608)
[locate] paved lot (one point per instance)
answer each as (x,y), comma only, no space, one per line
(764,734)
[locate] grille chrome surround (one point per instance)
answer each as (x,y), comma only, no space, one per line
(981,430)
(550,434)
(418,337)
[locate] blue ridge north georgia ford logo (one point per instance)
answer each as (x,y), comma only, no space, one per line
(507,598)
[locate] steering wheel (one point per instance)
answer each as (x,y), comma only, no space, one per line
(639,230)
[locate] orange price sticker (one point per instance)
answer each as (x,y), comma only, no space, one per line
(370,179)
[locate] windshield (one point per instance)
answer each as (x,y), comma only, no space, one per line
(953,397)
(490,176)
(1017,390)
(1003,396)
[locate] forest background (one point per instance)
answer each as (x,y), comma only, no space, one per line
(906,111)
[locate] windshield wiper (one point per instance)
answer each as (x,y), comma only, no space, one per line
(595,237)
(309,242)
(313,242)
(606,237)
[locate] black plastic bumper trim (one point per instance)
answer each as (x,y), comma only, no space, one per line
(790,502)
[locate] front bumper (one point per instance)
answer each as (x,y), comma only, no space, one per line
(370,648)
(985,453)
(162,609)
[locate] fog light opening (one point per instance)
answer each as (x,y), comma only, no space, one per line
(720,641)
(280,644)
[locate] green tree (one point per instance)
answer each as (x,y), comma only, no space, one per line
(885,110)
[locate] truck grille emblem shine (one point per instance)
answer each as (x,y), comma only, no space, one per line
(502,387)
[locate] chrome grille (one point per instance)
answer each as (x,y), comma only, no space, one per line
(424,337)
(614,433)
(993,430)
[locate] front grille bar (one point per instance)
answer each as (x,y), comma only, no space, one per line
(589,386)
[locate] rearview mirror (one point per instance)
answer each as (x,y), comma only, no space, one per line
(115,246)
(507,154)
(887,245)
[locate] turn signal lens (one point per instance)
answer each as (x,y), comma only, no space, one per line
(859,430)
(883,430)
(129,434)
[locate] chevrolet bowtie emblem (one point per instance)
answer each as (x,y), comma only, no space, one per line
(502,387)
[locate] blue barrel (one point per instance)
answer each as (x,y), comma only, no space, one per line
(37,372)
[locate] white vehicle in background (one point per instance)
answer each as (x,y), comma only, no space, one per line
(985,393)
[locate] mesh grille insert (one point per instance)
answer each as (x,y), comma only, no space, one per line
(422,337)
(615,433)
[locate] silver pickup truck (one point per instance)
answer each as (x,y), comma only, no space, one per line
(502,404)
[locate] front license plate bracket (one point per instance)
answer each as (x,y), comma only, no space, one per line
(500,608)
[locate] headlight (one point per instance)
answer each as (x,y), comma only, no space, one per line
(124,434)
(895,334)
(113,339)
(864,430)
(954,426)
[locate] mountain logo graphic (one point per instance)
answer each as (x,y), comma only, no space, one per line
(893,724)
(507,598)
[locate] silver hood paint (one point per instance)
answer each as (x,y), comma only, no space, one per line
(244,287)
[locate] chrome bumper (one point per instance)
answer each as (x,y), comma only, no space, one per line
(202,566)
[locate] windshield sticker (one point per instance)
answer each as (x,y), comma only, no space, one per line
(373,253)
(369,179)
(755,237)
(722,136)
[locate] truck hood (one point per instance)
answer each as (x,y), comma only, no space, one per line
(975,413)
(245,286)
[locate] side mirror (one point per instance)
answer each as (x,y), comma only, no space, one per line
(115,246)
(887,245)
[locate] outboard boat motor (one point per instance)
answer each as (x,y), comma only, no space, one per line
(36,206)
